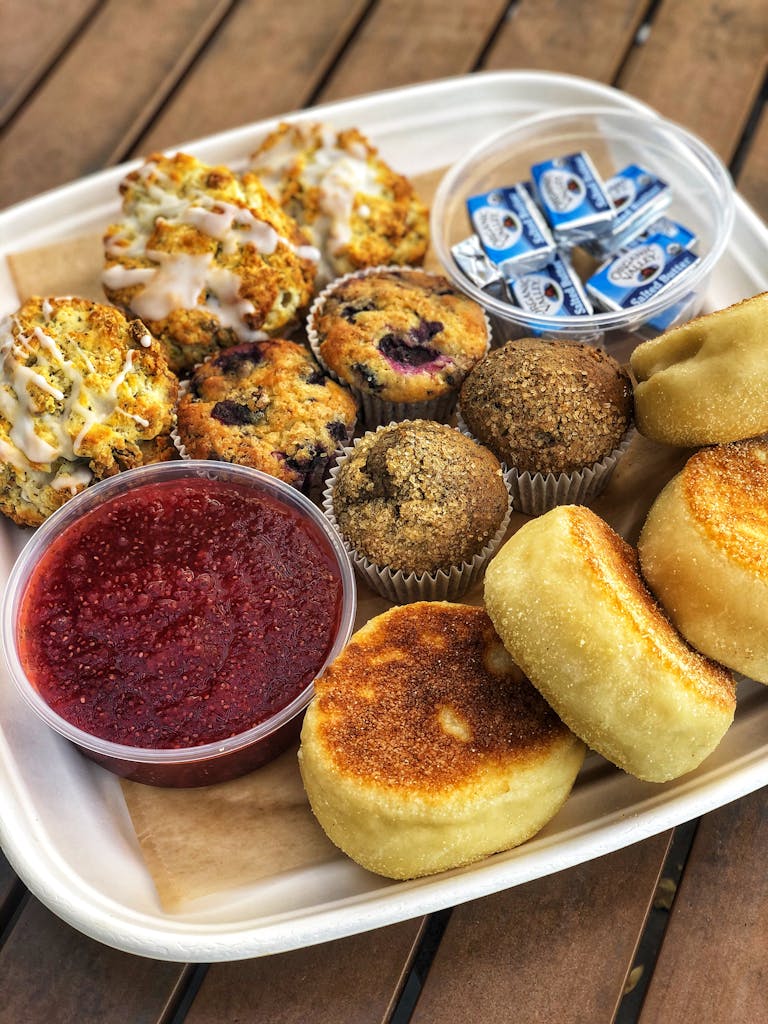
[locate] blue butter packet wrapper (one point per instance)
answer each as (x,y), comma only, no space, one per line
(511,229)
(676,233)
(639,198)
(572,194)
(553,290)
(639,272)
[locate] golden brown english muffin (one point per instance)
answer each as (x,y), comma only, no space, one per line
(204,258)
(425,747)
(704,383)
(566,597)
(84,393)
(704,552)
(350,203)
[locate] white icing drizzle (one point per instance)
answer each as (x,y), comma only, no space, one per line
(341,176)
(73,479)
(190,280)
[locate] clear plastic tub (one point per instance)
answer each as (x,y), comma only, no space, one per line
(702,200)
(209,762)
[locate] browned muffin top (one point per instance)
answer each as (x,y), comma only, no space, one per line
(419,496)
(548,406)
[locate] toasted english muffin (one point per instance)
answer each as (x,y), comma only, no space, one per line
(704,382)
(425,747)
(704,552)
(567,599)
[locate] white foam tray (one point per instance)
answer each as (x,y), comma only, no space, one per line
(63,823)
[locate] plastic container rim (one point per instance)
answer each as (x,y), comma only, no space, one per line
(91,498)
(709,163)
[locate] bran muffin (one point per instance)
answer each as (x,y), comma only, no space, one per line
(206,260)
(84,393)
(426,748)
(420,508)
(403,339)
(555,413)
(265,404)
(349,202)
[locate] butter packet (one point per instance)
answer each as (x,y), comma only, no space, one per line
(511,229)
(572,195)
(553,290)
(639,272)
(639,198)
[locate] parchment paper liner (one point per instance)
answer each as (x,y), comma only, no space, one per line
(536,493)
(375,411)
(404,587)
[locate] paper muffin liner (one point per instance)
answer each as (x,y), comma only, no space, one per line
(312,481)
(533,494)
(375,411)
(405,587)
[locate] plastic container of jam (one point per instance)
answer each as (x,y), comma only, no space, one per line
(170,621)
(702,200)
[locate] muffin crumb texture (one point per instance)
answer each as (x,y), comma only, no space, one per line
(419,496)
(547,406)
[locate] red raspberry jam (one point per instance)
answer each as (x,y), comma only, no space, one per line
(180,613)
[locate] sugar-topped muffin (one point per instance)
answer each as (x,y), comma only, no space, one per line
(265,404)
(548,406)
(205,259)
(398,336)
(352,205)
(84,393)
(418,497)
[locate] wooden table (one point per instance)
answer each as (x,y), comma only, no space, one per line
(673,929)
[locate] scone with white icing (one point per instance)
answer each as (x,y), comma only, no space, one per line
(205,259)
(84,393)
(352,205)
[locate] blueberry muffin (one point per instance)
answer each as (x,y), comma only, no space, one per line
(265,404)
(350,203)
(418,497)
(398,337)
(84,393)
(558,410)
(205,259)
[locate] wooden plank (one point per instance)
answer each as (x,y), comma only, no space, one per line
(712,965)
(267,60)
(116,72)
(582,39)
(8,885)
(407,41)
(32,42)
(703,65)
(50,972)
(557,949)
(752,180)
(355,979)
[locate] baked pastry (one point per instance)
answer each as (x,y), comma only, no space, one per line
(704,552)
(402,339)
(425,747)
(84,393)
(265,404)
(205,259)
(567,599)
(547,408)
(704,383)
(416,498)
(349,202)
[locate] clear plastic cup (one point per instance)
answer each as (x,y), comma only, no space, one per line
(206,763)
(702,200)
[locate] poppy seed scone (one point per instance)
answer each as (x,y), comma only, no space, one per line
(425,747)
(350,203)
(398,335)
(418,496)
(704,382)
(204,258)
(84,393)
(265,404)
(548,406)
(566,596)
(704,552)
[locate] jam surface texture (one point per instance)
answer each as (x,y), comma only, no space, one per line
(180,613)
